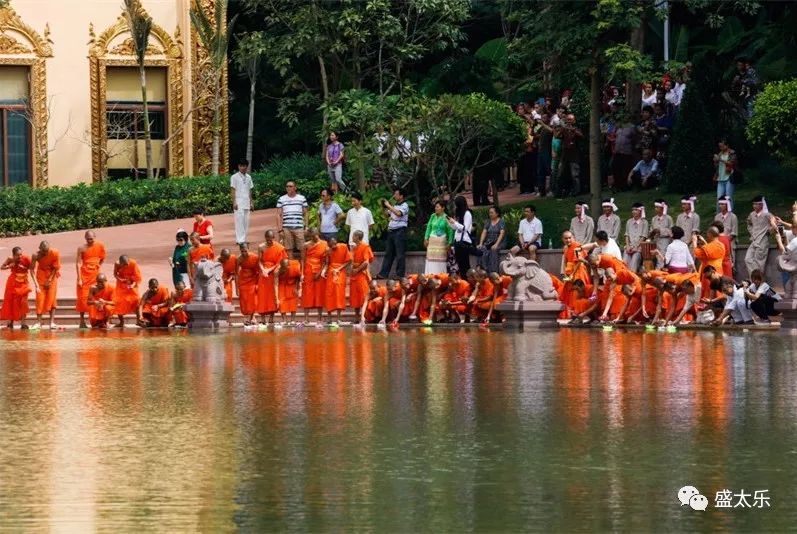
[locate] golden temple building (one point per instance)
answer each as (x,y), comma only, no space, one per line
(71,99)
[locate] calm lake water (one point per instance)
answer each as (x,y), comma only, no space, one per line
(411,431)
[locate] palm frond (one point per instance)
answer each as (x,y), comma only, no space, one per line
(140,25)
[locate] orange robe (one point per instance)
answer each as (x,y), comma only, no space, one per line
(248,274)
(289,287)
(125,298)
(99,314)
(90,261)
(197,253)
(45,268)
(710,254)
(313,291)
(580,305)
(651,296)
(624,277)
(159,316)
(373,311)
(229,266)
(15,298)
(503,292)
(358,290)
(727,261)
(485,295)
(576,271)
(413,293)
(455,295)
(270,257)
(393,303)
(335,298)
(179,315)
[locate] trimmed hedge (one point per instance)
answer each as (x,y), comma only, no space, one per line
(24,210)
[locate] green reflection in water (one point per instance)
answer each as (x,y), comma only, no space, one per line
(415,430)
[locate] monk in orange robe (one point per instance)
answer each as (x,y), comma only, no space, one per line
(362,256)
(229,264)
(46,268)
(197,252)
(15,298)
(414,286)
(374,305)
(572,267)
(314,285)
(436,286)
(454,301)
(180,297)
(708,252)
(338,260)
(501,285)
(394,302)
(271,253)
(726,240)
(624,286)
(585,305)
(483,295)
(689,291)
(88,262)
(289,287)
(154,305)
(125,298)
(101,302)
(247,276)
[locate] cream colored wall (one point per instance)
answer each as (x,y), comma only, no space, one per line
(68,71)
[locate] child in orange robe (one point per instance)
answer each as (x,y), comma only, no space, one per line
(180,298)
(47,265)
(154,305)
(125,298)
(101,303)
(338,260)
(362,256)
(229,265)
(314,286)
(271,254)
(247,276)
(289,277)
(15,298)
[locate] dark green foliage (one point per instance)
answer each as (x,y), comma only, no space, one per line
(690,167)
(24,210)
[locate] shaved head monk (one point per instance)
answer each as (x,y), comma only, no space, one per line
(125,298)
(87,264)
(46,269)
(100,301)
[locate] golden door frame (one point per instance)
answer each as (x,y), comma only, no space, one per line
(166,51)
(32,54)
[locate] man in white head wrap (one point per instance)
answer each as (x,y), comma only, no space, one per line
(729,221)
(759,224)
(688,219)
(636,231)
(582,226)
(609,222)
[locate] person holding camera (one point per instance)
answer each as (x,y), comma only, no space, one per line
(396,245)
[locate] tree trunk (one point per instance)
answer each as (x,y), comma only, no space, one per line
(147,135)
(633,93)
(216,149)
(594,141)
(250,129)
(325,89)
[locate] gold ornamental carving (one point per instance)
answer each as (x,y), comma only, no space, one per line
(9,45)
(203,114)
(33,54)
(167,52)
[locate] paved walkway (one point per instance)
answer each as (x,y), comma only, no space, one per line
(151,244)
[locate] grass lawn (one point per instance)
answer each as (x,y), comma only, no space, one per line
(556,213)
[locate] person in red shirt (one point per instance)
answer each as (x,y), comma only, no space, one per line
(203,226)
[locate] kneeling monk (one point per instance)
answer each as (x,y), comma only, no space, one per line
(154,305)
(179,299)
(101,302)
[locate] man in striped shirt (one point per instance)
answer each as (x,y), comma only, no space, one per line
(292,219)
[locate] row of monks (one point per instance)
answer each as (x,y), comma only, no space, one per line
(267,282)
(603,287)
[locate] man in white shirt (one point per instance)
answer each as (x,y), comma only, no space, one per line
(761,296)
(735,306)
(359,218)
(241,187)
(529,234)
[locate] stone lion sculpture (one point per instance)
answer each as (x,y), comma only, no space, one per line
(530,282)
(208,285)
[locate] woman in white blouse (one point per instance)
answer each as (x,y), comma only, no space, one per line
(677,258)
(462,223)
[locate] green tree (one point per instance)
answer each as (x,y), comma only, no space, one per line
(321,47)
(689,164)
(214,35)
(774,120)
(139,24)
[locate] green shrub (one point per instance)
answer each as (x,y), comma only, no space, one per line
(774,120)
(24,210)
